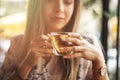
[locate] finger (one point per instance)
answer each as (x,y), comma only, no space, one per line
(48,44)
(41,38)
(41,44)
(46,39)
(37,44)
(67,50)
(75,35)
(75,55)
(73,49)
(79,48)
(73,40)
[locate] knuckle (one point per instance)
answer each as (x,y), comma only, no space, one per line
(76,40)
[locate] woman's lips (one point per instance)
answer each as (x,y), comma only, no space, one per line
(58,19)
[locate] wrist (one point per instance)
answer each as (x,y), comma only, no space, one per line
(101,72)
(99,67)
(98,63)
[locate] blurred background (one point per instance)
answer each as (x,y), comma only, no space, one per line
(98,17)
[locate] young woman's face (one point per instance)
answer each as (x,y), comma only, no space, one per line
(57,13)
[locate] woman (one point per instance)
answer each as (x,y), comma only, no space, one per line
(31,57)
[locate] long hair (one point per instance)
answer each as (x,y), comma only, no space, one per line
(68,68)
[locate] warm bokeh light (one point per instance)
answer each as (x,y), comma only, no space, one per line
(113,23)
(12,25)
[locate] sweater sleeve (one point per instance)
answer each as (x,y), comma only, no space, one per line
(8,67)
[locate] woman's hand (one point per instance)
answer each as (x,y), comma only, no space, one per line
(86,50)
(82,48)
(40,46)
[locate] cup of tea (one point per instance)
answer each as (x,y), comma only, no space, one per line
(58,44)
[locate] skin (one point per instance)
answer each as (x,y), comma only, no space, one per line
(54,10)
(57,14)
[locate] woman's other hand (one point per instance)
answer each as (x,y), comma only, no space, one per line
(82,48)
(39,47)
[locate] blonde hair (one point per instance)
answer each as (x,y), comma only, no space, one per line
(69,68)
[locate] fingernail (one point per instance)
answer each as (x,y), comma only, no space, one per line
(63,39)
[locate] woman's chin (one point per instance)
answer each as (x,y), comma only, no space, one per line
(56,28)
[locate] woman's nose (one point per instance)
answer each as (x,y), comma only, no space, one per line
(59,6)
